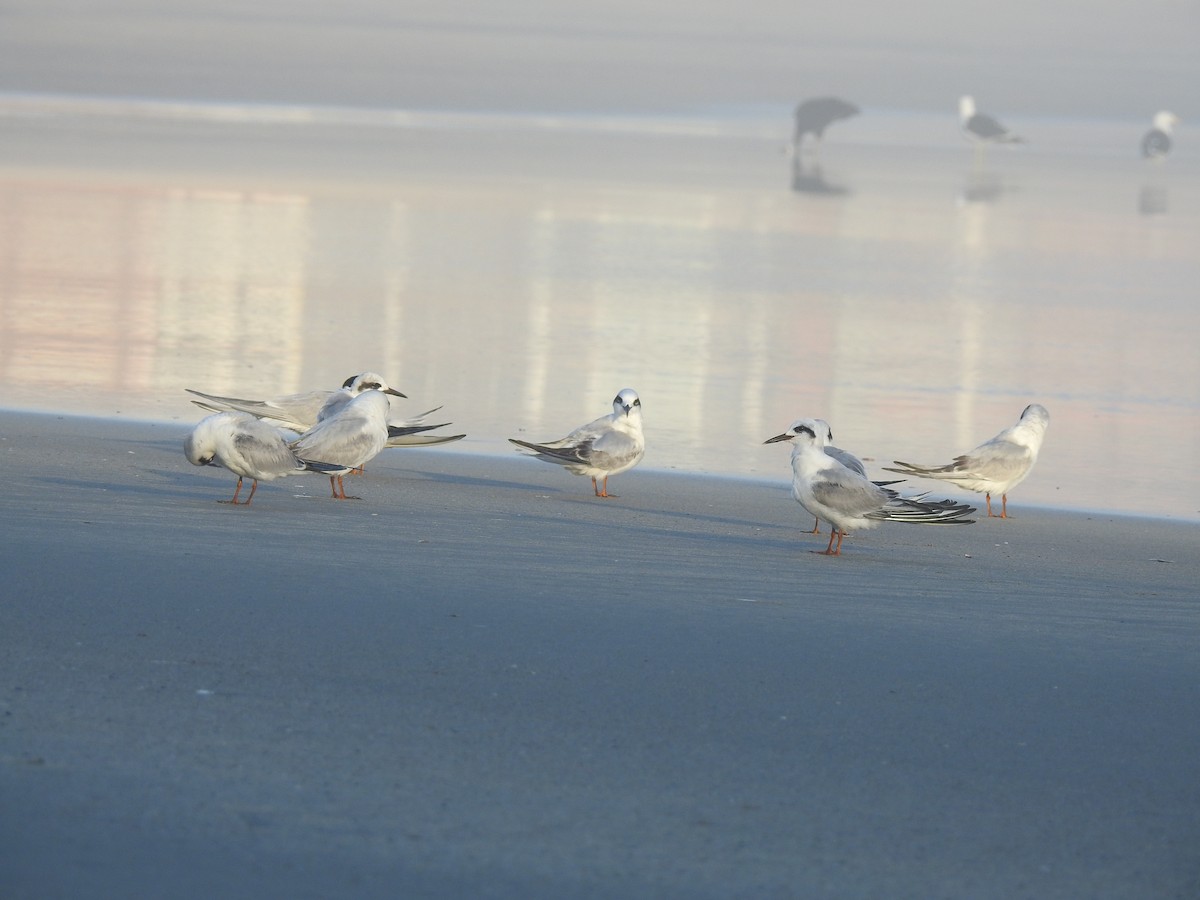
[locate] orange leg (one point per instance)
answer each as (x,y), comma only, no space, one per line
(1004,506)
(601,491)
(831,550)
(816,529)
(238,491)
(253,488)
(339,489)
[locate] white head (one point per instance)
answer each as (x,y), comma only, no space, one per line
(966,107)
(805,431)
(200,447)
(1164,121)
(1035,414)
(372,402)
(627,403)
(368,381)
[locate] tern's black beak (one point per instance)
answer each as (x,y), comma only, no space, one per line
(786,436)
(395,393)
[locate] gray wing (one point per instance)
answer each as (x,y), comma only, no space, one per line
(422,440)
(847,459)
(345,440)
(586,434)
(269,456)
(985,127)
(295,411)
(555,451)
(612,449)
(398,431)
(997,460)
(849,494)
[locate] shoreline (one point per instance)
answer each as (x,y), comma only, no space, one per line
(479,680)
(497,449)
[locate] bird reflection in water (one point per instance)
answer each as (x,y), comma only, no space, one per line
(982,186)
(1153,200)
(810,179)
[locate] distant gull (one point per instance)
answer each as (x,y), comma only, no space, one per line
(815,115)
(996,466)
(350,438)
(248,447)
(848,500)
(1156,143)
(602,448)
(982,128)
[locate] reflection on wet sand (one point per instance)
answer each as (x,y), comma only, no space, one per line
(910,324)
(1153,200)
(983,186)
(809,178)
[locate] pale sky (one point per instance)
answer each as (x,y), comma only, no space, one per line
(1026,57)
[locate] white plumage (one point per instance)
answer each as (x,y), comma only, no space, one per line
(350,438)
(847,499)
(997,465)
(248,447)
(602,448)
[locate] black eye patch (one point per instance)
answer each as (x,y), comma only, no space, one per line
(804,429)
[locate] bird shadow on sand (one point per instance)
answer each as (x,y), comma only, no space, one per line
(468,480)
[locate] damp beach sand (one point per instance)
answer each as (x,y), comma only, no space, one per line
(482,681)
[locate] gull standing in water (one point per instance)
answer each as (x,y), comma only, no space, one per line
(1156,143)
(351,437)
(995,466)
(847,499)
(249,448)
(608,446)
(982,128)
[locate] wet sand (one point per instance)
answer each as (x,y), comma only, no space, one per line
(480,681)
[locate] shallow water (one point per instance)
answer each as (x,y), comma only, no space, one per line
(520,270)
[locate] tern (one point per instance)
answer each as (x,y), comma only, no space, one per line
(350,438)
(248,447)
(300,412)
(996,466)
(600,449)
(848,500)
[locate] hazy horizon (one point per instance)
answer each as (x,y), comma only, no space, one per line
(1019,59)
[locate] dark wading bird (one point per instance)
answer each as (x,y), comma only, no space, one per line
(814,116)
(1156,143)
